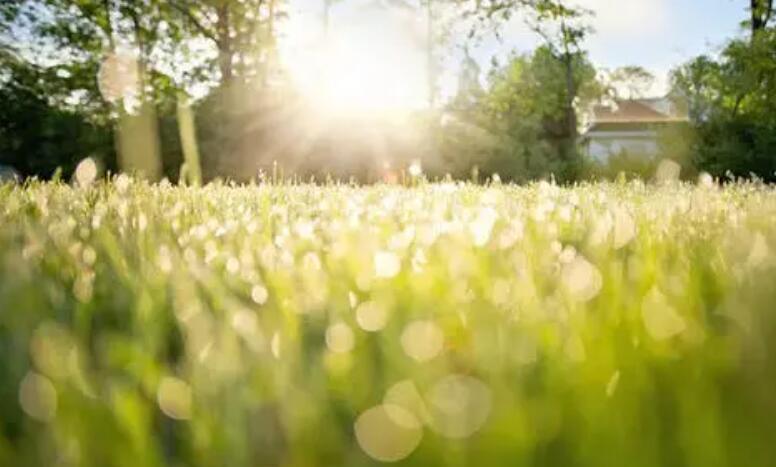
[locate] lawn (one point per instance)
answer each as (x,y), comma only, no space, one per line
(609,324)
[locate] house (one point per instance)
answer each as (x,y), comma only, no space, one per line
(630,126)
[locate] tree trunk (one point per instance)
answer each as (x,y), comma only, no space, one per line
(569,150)
(571,92)
(761,11)
(139,132)
(188,135)
(225,49)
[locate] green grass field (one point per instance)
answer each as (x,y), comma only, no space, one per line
(440,324)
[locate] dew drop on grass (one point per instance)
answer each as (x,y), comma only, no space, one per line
(142,222)
(705,180)
(89,256)
(405,394)
(83,287)
(611,386)
(581,279)
(387,264)
(122,183)
(232,265)
(422,340)
(259,294)
(49,348)
(624,228)
(275,345)
(371,316)
(384,440)
(174,398)
(482,226)
(567,255)
(246,324)
(660,319)
(339,338)
(511,235)
(164,261)
(459,406)
(603,224)
(86,172)
(38,397)
(352,299)
(668,171)
(415,169)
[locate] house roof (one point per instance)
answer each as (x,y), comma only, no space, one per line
(633,111)
(633,115)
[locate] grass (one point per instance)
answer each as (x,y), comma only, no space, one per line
(441,324)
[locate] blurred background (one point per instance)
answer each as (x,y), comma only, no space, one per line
(362,89)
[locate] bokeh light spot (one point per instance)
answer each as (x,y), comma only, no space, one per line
(259,294)
(38,397)
(459,406)
(660,319)
(422,340)
(668,171)
(86,172)
(339,338)
(174,397)
(581,279)
(384,440)
(371,316)
(387,264)
(405,395)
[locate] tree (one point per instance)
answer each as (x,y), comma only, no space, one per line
(630,82)
(517,126)
(242,31)
(37,137)
(732,106)
(761,12)
(563,28)
(80,38)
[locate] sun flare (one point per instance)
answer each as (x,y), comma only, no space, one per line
(367,63)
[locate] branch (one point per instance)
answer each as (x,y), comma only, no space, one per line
(536,28)
(194,21)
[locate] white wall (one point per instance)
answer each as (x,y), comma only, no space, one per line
(602,145)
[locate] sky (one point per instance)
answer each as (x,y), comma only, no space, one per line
(656,34)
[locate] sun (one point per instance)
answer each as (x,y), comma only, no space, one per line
(371,60)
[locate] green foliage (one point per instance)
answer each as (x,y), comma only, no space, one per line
(630,82)
(732,104)
(522,115)
(150,325)
(624,164)
(36,137)
(243,32)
